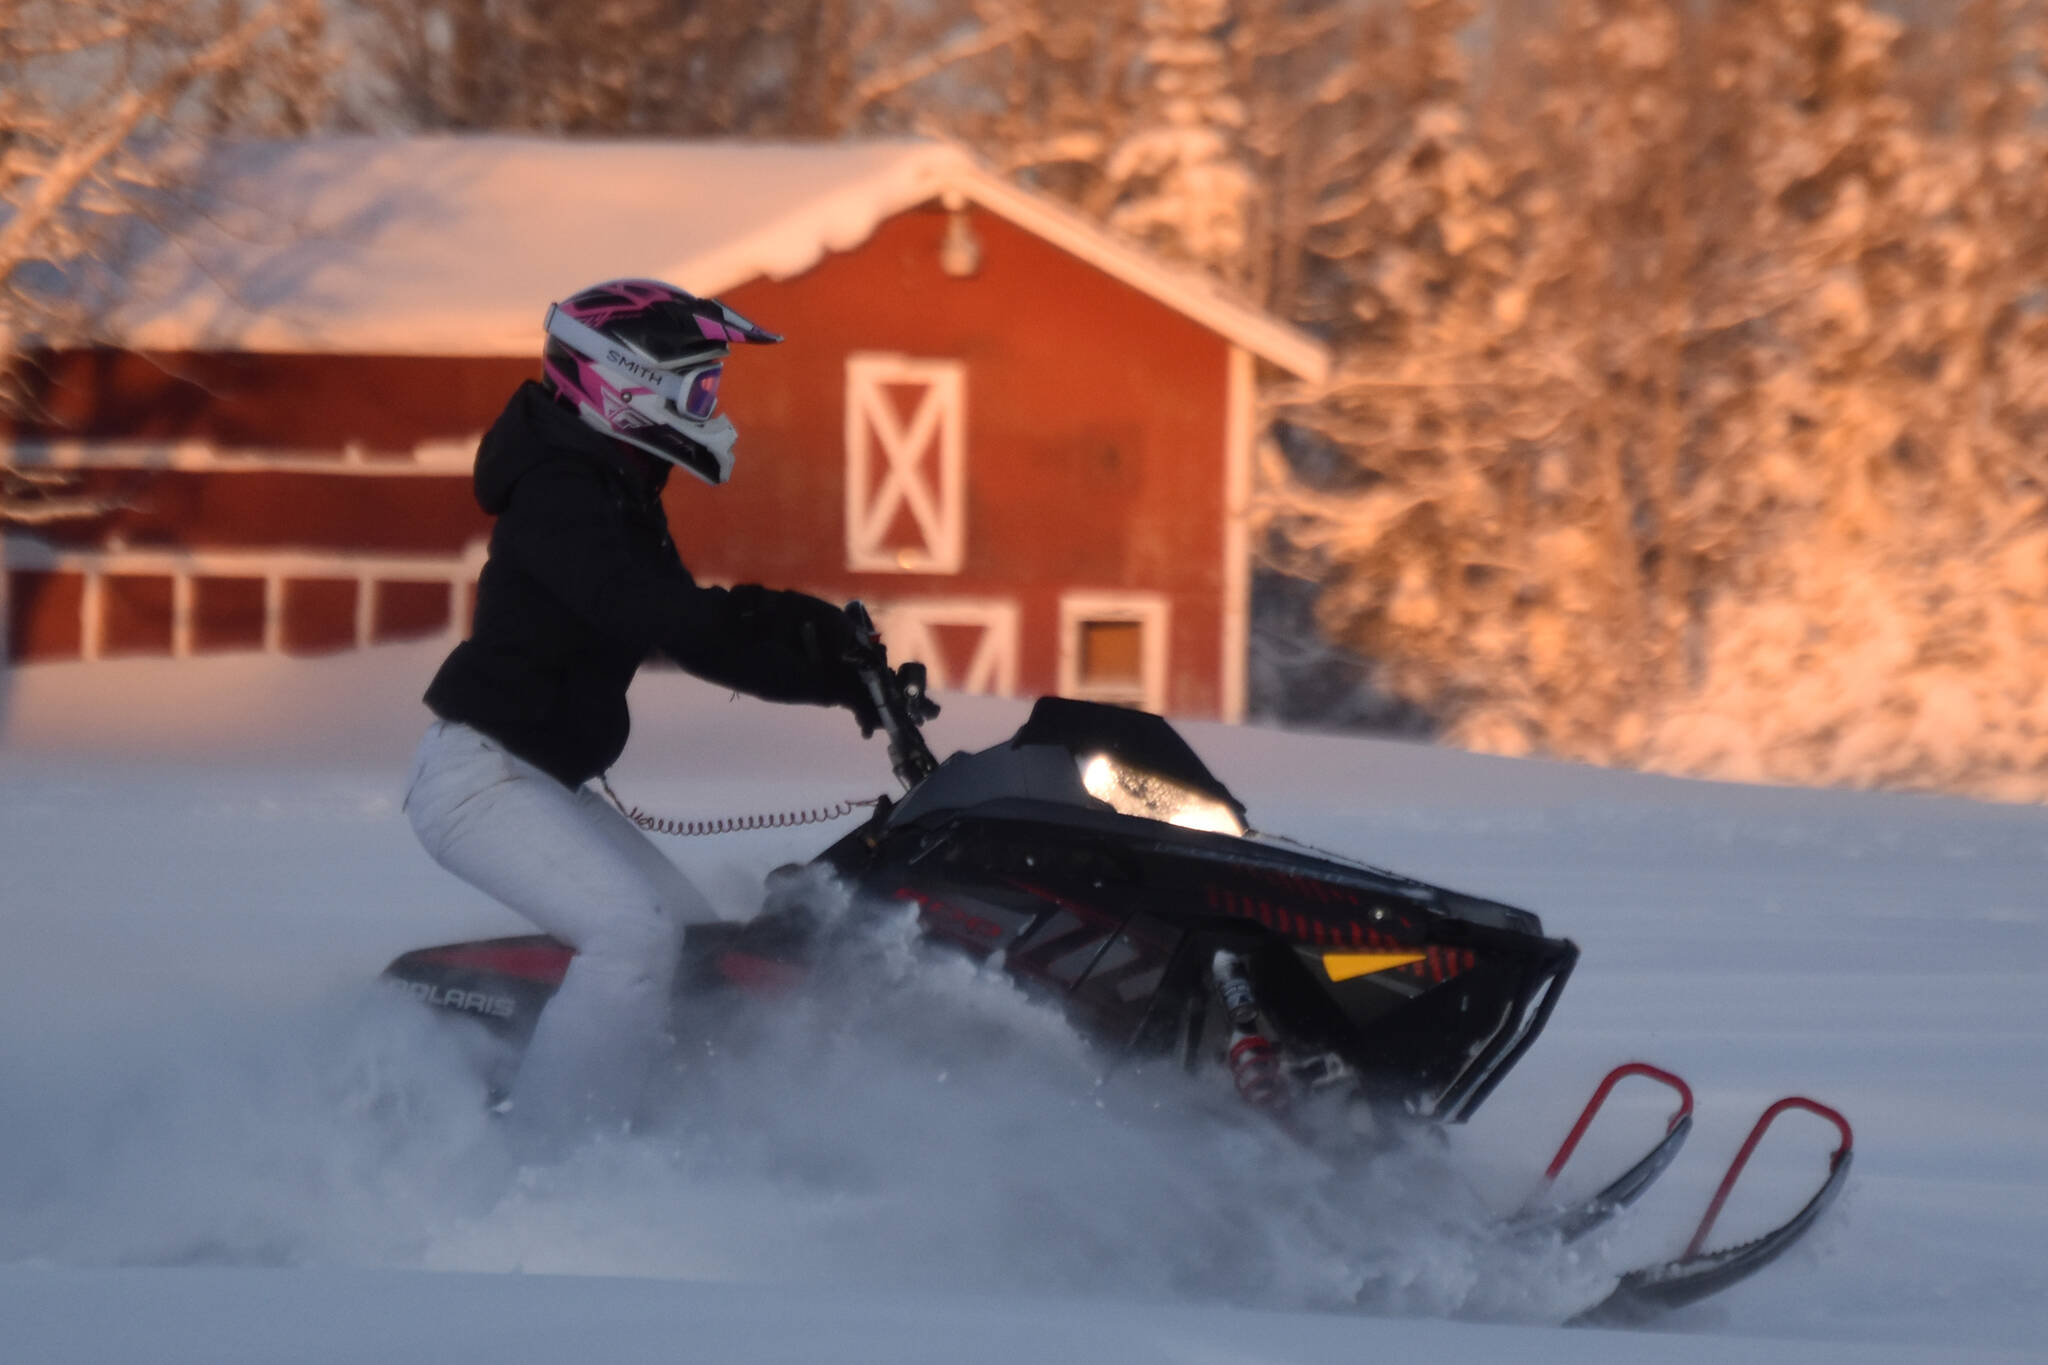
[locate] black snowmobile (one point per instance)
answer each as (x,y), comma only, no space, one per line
(1100,862)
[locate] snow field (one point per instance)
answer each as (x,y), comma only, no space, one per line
(203,1104)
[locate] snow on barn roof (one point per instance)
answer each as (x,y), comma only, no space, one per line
(454,245)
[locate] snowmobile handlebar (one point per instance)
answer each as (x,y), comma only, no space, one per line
(898,697)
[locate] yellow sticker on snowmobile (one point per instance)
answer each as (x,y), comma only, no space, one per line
(1344,966)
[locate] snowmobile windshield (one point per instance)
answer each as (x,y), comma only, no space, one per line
(1131,790)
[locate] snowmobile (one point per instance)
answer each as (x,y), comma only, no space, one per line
(1097,861)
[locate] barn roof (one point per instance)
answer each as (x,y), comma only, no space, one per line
(455,244)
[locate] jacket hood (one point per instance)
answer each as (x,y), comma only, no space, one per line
(534,429)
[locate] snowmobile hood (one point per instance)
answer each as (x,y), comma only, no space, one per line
(532,430)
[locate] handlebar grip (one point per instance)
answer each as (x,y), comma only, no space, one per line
(899,697)
(863,624)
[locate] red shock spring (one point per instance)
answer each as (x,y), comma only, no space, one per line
(1255,1066)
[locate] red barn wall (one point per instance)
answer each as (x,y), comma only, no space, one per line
(311,406)
(1095,421)
(304,404)
(300,402)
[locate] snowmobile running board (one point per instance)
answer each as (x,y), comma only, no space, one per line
(1645,1293)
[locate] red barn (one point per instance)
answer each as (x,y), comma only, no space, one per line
(1025,443)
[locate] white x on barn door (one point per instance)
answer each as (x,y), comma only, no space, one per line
(906,464)
(965,644)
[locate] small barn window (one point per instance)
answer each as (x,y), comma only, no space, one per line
(966,645)
(1112,653)
(906,464)
(1113,648)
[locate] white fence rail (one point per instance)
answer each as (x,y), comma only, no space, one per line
(275,569)
(429,459)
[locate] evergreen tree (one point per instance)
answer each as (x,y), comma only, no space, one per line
(1178,182)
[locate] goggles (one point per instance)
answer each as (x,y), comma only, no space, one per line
(692,388)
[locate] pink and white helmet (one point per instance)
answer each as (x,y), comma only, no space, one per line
(642,360)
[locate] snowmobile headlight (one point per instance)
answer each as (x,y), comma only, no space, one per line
(1133,791)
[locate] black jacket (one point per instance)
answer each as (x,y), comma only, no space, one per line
(583,583)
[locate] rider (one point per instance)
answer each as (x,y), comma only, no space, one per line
(582,584)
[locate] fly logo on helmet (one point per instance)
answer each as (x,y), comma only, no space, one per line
(642,360)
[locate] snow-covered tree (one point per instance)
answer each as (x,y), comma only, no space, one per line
(1178,181)
(787,68)
(1690,407)
(1873,515)
(1425,463)
(606,66)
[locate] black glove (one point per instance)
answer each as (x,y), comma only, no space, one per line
(838,650)
(818,638)
(809,627)
(823,635)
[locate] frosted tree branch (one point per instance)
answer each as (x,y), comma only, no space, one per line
(925,65)
(96,97)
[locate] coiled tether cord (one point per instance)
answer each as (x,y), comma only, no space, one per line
(735,824)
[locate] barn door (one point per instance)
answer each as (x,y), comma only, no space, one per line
(966,645)
(906,464)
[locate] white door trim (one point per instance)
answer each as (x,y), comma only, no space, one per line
(907,627)
(879,441)
(1240,430)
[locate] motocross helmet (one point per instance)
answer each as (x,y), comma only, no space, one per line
(641,361)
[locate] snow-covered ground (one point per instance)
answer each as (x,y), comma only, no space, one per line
(219,1144)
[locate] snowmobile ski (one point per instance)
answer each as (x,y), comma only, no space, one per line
(1574,1221)
(1693,1275)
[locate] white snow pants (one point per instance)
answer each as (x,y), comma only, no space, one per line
(572,864)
